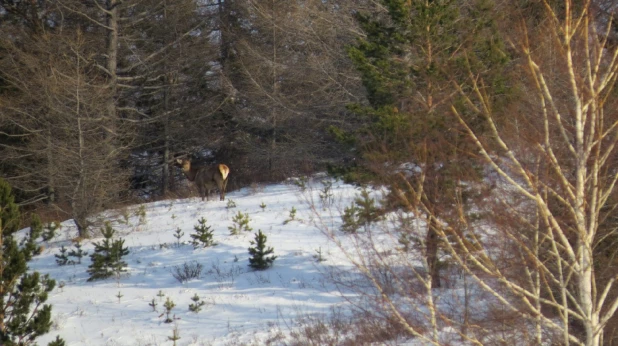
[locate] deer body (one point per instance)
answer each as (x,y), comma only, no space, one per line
(206,178)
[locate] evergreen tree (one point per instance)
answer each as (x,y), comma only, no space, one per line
(57,342)
(78,253)
(23,314)
(62,258)
(203,235)
(408,60)
(107,256)
(29,242)
(259,259)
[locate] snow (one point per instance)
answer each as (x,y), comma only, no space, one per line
(242,305)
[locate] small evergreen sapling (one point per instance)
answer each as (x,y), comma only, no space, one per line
(178,234)
(175,335)
(197,304)
(107,256)
(326,195)
(259,259)
(240,224)
(78,253)
(29,242)
(361,213)
(203,235)
(62,258)
(153,305)
(168,305)
(292,216)
(50,230)
(57,342)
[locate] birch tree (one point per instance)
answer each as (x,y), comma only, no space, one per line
(555,159)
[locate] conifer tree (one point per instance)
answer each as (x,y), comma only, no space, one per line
(407,59)
(29,242)
(259,259)
(107,256)
(78,253)
(62,258)
(23,314)
(203,235)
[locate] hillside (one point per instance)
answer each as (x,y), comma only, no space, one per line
(241,305)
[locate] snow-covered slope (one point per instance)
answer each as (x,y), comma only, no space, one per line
(242,305)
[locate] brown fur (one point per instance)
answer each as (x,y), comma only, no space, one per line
(206,178)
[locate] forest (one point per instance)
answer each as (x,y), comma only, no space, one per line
(484,119)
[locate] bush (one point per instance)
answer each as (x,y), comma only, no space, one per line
(187,271)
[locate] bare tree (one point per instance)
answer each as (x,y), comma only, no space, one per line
(556,156)
(290,81)
(68,146)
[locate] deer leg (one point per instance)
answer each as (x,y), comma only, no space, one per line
(201,189)
(222,188)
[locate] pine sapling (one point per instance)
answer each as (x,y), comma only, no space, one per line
(178,234)
(240,223)
(203,235)
(175,335)
(153,304)
(62,258)
(50,230)
(107,256)
(263,206)
(326,195)
(29,242)
(368,212)
(230,204)
(259,252)
(160,295)
(197,304)
(349,220)
(319,256)
(57,342)
(78,253)
(119,295)
(292,216)
(168,305)
(361,213)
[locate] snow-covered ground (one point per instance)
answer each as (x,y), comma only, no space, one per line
(242,305)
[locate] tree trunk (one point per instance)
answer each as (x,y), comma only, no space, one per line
(431,243)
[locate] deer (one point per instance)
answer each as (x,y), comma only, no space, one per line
(206,178)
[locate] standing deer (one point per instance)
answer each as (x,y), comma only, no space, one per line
(206,178)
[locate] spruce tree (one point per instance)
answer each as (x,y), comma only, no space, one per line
(259,259)
(23,314)
(107,256)
(203,235)
(408,59)
(29,242)
(62,258)
(78,253)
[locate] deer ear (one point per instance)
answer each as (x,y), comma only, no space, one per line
(178,161)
